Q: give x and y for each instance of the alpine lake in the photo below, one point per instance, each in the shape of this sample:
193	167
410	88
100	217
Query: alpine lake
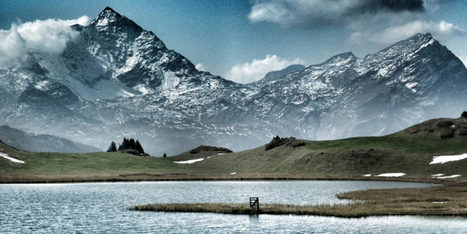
104	208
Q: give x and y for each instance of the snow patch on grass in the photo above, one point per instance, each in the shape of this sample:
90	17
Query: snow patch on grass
447	158
189	161
397	174
10	158
448	177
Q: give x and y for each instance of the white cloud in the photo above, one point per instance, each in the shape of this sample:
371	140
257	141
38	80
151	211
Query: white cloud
44	36
395	33
257	69
200	67
367	21
272	12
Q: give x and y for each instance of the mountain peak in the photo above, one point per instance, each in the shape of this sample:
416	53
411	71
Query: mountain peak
275	75
419	39
421	36
342	58
107	8
345	55
109	17
108	13
410	45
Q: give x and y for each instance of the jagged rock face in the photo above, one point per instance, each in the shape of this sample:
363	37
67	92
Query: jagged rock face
118	80
275	75
345	96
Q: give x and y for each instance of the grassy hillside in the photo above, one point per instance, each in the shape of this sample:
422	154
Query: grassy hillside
409	151
76	167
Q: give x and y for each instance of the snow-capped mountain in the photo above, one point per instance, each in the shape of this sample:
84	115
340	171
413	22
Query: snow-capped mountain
345	96
117	79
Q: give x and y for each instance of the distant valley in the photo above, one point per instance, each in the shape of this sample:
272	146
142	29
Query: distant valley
41	143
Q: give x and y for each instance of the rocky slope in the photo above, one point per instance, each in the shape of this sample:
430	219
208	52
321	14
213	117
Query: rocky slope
119	80
345	96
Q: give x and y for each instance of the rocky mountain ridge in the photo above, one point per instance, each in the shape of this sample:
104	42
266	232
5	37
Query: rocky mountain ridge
119	80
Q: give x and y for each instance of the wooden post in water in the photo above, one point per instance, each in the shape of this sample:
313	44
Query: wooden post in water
254	202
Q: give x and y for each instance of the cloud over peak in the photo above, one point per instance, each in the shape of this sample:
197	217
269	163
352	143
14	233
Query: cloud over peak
200	67
258	68
441	30
44	36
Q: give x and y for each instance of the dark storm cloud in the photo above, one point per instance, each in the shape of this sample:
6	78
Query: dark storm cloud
327	12
374	6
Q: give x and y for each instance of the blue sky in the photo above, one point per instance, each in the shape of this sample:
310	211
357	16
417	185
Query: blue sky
242	39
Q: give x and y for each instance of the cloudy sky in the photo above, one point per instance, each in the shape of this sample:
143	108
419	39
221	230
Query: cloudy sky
243	39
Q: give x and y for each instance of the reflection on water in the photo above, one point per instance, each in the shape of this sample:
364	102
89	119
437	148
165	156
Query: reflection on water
103	207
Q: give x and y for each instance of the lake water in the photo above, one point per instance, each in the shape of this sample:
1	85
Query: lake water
103	208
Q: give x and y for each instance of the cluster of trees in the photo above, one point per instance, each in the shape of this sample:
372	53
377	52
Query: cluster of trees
288	141
275	142
131	146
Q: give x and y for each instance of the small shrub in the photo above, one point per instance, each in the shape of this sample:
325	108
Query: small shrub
204	148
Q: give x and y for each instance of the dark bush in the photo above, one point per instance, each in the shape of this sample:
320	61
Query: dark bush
298	144
205	148
289	141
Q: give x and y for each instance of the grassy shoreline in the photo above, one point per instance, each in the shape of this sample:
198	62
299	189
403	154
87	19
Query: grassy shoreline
178	177
448	200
